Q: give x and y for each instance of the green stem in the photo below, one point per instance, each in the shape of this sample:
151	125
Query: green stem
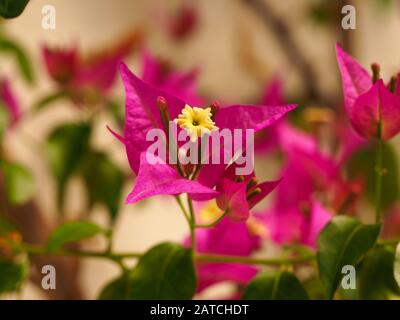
378	177
196	171
252	260
192	224
210	258
35	249
118	257
178	199
212	224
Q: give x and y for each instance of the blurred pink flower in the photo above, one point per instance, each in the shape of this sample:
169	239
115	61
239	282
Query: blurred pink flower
318	217
226	238
9	100
295	215
183	22
268	139
61	64
180	84
367	103
296	225
87	79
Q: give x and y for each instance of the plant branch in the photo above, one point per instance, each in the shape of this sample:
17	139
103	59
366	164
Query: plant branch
192	224
35	228
252	260
179	201
212	224
211	258
289	47
301	257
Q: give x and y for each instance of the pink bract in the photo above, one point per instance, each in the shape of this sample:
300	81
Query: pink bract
367	104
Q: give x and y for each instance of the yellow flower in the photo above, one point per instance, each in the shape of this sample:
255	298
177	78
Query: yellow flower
210	212
196	121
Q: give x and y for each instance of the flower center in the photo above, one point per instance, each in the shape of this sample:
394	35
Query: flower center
209	212
196	121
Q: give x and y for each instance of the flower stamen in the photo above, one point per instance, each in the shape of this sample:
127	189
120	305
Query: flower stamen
196	121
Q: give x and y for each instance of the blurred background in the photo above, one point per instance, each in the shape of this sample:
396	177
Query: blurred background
236	49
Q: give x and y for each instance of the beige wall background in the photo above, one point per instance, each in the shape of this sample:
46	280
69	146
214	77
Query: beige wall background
95	23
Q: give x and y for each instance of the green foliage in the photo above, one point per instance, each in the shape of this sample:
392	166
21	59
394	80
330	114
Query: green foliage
12	275
344	241
69	154
66	148
104	181
275	285
118	289
362	164
72	232
19	182
165	272
314	288
377	275
12	8
9	46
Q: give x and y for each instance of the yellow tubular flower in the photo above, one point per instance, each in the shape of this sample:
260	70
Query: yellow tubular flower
196	121
210	212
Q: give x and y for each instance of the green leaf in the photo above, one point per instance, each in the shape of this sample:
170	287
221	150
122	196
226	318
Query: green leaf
72	232
18	182
21	57
12	275
314	288
377	280
343	241
397	265
360	164
12	8
165	272
104	181
118	289
275	285
66	148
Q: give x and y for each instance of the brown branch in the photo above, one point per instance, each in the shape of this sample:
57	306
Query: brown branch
345	36
289	46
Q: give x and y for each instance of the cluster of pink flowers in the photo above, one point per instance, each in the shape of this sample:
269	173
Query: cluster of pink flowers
311	187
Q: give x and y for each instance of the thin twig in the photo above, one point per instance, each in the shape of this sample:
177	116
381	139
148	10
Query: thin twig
289	46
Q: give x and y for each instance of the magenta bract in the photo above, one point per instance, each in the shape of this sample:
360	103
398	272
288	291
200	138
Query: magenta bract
368	105
143	114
